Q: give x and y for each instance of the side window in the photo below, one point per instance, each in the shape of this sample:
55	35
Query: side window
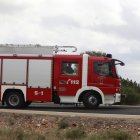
69	68
103	68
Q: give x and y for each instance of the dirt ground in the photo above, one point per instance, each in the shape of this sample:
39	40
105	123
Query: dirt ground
42	123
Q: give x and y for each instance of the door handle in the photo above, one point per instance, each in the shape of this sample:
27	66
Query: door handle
62	81
101	80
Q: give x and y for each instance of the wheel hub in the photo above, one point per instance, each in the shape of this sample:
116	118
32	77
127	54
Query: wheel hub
92	100
14	100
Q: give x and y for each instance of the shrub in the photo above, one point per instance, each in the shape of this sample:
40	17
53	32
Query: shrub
76	133
11	121
120	135
63	124
132	99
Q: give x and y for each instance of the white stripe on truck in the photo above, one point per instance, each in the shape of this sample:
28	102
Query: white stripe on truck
85	70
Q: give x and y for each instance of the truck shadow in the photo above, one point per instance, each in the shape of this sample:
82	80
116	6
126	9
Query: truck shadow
80	109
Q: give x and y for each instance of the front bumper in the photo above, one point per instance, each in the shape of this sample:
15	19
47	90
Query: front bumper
114	98
117	98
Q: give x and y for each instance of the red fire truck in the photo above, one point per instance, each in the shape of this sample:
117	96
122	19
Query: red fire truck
34	73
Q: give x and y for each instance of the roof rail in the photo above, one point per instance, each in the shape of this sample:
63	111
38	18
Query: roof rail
21	49
57	48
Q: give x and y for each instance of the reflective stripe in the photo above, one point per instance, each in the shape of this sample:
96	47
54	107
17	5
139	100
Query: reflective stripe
84	70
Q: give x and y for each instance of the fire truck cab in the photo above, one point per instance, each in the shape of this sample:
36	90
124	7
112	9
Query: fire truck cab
28	76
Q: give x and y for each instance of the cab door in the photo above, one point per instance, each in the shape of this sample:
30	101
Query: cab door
101	75
67	75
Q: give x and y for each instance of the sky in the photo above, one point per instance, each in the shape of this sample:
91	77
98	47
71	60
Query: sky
110	26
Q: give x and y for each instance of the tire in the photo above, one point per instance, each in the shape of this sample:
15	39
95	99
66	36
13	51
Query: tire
14	99
91	101
27	103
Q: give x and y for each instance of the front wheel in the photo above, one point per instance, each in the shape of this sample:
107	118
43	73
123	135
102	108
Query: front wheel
14	100
91	101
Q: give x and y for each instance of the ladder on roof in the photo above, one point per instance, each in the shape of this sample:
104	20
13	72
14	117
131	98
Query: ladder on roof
30	49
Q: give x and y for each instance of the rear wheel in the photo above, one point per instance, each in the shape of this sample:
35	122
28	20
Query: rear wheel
91	100
14	99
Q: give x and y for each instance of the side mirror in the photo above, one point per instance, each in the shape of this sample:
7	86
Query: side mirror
122	64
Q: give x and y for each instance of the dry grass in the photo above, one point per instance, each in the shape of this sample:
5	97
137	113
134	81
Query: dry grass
19	134
69	134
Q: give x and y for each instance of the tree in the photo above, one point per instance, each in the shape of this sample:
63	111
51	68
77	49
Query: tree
94	53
